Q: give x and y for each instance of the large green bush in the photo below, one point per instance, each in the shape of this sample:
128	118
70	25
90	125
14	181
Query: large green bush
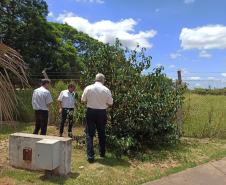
144	110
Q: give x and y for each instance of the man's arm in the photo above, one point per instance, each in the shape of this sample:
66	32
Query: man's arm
60	106
84	96
110	99
60	102
49	100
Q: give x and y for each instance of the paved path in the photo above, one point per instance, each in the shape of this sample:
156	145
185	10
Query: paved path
213	173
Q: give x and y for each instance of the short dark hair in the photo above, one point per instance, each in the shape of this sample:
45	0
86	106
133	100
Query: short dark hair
45	81
71	85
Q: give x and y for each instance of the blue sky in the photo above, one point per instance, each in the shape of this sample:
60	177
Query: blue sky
179	34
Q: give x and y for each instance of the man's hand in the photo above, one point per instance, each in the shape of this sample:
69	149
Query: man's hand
60	110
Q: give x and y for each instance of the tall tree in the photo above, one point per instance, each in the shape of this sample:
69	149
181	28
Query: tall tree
66	62
24	27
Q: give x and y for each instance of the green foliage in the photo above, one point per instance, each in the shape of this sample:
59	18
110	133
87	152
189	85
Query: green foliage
65	54
25	110
24	27
144	107
54	111
209	91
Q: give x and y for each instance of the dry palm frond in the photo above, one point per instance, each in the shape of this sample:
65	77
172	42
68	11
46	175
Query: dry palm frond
11	63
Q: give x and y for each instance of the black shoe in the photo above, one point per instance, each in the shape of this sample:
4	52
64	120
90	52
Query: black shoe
70	135
61	135
90	160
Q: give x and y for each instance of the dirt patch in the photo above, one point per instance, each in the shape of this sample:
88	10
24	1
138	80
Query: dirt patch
3	153
7	181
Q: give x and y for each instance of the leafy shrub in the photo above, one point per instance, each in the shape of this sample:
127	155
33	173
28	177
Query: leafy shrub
25	111
144	107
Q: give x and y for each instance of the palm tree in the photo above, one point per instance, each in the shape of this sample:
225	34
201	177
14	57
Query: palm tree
11	65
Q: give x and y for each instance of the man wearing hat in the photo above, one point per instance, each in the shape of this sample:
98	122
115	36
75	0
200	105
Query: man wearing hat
97	98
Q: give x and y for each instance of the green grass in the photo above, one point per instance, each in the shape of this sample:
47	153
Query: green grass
205	116
149	166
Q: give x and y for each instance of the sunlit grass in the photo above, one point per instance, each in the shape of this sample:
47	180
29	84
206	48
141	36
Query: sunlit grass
205	116
152	165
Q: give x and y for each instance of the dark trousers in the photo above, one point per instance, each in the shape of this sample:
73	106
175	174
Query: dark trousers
41	121
67	113
96	119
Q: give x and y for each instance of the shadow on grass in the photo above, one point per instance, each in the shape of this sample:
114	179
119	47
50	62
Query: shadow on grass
58	179
112	161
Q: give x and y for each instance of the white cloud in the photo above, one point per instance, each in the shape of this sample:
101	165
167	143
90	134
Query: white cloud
204	54
197	85
61	17
211	78
107	31
159	65
204	38
194	78
90	1
189	1
172	66
50	14
223	74
184	71
175	55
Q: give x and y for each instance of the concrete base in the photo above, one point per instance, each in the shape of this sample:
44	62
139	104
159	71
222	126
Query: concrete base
20	141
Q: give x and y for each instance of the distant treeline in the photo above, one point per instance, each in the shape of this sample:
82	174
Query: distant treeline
209	91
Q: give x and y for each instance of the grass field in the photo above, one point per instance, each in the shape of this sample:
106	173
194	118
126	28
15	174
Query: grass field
205	116
152	165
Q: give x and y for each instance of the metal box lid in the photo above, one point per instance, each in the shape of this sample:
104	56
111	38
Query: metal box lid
48	141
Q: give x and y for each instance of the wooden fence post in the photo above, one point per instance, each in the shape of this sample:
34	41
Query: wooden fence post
179	111
179	77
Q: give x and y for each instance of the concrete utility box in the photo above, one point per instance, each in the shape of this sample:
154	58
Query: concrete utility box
37	152
47	154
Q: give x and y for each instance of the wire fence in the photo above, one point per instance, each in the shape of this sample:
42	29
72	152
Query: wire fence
193	79
196	79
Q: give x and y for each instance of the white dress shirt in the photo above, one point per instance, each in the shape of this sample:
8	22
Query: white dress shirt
67	99
97	96
41	99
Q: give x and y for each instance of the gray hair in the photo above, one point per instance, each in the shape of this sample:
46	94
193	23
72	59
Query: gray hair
100	78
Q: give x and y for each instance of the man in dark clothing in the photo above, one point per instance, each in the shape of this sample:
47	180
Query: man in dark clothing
97	98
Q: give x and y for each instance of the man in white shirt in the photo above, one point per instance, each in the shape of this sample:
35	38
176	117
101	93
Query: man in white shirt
41	100
67	104
97	98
